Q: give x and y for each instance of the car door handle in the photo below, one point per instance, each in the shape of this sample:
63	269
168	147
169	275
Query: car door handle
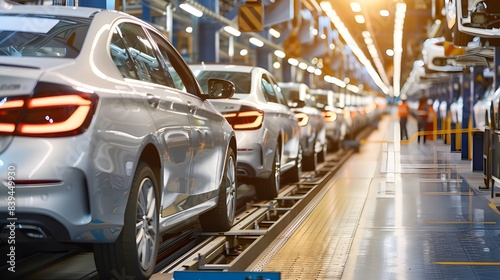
153	100
191	108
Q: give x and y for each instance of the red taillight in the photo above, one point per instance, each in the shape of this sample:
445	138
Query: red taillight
245	120
329	116
303	118
52	111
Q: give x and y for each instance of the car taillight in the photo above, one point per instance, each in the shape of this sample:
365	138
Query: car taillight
247	119
52	111
329	116
303	118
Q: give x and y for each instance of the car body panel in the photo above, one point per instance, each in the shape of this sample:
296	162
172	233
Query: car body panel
256	147
90	174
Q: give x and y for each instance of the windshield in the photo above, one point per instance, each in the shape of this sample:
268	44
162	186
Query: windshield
41	35
242	81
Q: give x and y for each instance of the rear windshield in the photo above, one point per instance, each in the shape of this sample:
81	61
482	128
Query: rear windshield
41	35
242	81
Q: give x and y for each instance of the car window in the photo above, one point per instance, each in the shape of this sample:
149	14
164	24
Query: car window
163	47
268	90
121	57
57	37
140	50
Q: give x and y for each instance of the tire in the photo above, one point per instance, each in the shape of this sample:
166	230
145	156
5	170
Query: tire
269	188
311	162
221	218
126	258
323	154
296	172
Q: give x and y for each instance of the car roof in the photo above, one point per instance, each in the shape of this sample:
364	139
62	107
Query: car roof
83	12
225	67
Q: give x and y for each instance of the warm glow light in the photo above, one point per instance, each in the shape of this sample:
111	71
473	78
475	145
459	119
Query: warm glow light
243	52
311	69
7	127
355	7
276	65
303	65
389	52
189	29
384	13
73	122
359	19
190	9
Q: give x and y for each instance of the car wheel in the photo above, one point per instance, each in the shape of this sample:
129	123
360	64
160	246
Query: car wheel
134	252
296	172
311	161
269	188
323	153
221	218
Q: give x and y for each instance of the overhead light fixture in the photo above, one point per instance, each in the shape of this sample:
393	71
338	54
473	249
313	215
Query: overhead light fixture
311	69
359	19
303	65
256	42
243	52
189	29
279	54
355	7
398	46
389	52
190	9
231	30
276	65
275	33
384	13
293	61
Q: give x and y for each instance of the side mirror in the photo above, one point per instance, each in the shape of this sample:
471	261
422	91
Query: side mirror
220	89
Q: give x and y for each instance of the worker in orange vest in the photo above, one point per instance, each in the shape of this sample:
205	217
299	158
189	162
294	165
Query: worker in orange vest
403	113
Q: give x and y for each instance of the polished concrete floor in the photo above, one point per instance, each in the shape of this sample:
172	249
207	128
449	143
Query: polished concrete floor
396	211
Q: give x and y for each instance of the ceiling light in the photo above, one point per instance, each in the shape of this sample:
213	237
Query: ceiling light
279	54
311	69
384	13
190	9
355	7
293	61
275	33
276	65
303	65
359	18
389	52
231	30
256	42
189	29
243	52
318	72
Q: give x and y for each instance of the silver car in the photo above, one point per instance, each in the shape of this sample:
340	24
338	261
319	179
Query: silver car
334	118
106	137
266	128
311	122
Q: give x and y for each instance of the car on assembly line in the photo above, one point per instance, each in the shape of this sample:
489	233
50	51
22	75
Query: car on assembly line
311	122
267	131
334	117
106	137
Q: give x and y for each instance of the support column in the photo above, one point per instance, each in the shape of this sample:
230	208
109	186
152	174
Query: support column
208	35
454	94
467	96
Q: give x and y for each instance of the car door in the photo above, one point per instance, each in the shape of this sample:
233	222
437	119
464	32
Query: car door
205	126
286	119
169	111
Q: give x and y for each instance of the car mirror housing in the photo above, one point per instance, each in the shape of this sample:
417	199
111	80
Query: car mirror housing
220	89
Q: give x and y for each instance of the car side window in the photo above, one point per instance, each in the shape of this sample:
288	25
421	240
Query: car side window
139	49
279	94
268	90
121	56
164	48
